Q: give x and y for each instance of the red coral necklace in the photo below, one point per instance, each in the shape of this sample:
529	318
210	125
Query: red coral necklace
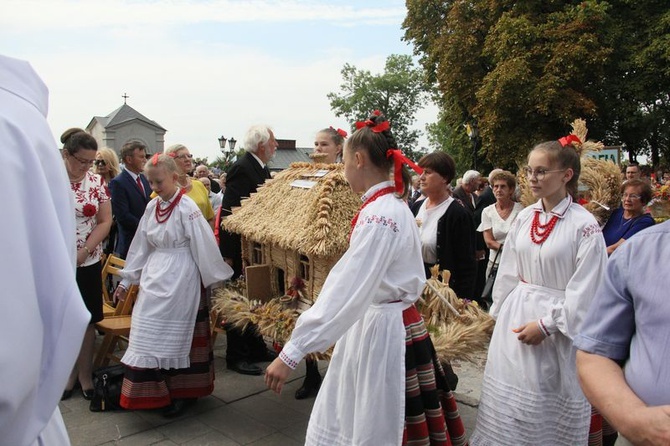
162	215
379	193
539	232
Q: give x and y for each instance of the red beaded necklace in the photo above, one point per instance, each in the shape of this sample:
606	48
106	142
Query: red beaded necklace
539	233
379	193
162	215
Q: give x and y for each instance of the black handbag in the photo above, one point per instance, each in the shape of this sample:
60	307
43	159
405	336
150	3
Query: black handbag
107	382
487	293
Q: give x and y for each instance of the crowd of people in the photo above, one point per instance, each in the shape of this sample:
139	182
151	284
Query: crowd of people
580	308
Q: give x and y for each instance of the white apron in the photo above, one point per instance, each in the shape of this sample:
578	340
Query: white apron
362	399
526	398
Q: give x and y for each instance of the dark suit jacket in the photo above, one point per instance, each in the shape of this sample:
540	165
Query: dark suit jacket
128	204
242	180
485	199
456	248
463	196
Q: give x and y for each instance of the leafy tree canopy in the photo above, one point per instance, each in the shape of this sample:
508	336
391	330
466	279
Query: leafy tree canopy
399	93
525	70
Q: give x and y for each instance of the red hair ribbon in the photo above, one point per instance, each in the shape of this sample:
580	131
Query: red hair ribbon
154	159
569	140
340	132
398	160
377	113
375	128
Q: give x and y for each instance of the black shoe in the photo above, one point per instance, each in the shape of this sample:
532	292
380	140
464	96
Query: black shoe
307	390
177	407
267	356
88	394
245	368
67	394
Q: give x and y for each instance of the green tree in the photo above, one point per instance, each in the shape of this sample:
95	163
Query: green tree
399	93
525	70
225	162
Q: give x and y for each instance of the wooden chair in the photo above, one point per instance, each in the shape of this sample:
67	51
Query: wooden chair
215	325
113	265
116	328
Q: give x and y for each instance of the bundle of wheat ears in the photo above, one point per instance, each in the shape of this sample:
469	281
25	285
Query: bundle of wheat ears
459	327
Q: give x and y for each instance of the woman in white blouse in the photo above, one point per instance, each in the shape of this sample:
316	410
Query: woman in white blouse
498	217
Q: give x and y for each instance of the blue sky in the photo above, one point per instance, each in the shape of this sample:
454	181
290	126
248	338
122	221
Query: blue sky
202	68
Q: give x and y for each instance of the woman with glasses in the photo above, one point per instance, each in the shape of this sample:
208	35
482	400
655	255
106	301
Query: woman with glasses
93	212
553	261
194	189
106	164
630	218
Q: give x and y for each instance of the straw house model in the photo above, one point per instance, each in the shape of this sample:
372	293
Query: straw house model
296	225
293	230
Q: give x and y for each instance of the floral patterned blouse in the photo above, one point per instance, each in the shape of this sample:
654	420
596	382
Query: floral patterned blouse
89	194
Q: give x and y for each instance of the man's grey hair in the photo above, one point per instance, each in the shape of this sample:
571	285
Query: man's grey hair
256	134
471	176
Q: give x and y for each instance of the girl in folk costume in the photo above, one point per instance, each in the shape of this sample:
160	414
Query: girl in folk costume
553	261
384	385
173	254
328	147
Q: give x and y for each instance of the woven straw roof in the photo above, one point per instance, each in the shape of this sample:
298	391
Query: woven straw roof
313	221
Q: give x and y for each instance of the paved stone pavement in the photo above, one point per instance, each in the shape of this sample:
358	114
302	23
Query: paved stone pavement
241	411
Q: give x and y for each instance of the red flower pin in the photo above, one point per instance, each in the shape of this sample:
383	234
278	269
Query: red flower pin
89	210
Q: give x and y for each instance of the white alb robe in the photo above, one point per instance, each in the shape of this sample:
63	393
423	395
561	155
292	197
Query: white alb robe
170	261
530	394
362	399
43	319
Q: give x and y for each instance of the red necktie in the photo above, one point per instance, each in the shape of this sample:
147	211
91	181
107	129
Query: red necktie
139	184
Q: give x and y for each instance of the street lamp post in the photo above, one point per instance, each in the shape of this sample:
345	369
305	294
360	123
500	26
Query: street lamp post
473	133
228	151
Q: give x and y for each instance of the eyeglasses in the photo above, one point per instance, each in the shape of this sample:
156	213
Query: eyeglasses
82	161
632	196
181	157
100	163
539	173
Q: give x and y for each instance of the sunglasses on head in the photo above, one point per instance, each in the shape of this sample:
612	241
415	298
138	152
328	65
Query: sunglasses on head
100	163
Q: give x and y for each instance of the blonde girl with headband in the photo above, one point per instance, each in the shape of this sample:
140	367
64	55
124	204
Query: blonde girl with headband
373	393
553	261
172	255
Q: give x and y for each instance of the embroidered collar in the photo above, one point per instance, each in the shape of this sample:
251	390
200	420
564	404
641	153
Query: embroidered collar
559	210
160	200
370	192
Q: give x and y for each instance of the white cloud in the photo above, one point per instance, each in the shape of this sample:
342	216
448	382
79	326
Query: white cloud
196	89
19	15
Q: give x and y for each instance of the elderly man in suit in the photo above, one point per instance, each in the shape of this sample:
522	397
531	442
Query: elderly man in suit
243	178
130	194
466	191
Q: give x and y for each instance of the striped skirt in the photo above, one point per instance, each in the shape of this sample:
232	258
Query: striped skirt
431	414
155	388
601	433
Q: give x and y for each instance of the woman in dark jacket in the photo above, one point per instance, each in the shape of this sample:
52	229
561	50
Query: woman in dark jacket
446	227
